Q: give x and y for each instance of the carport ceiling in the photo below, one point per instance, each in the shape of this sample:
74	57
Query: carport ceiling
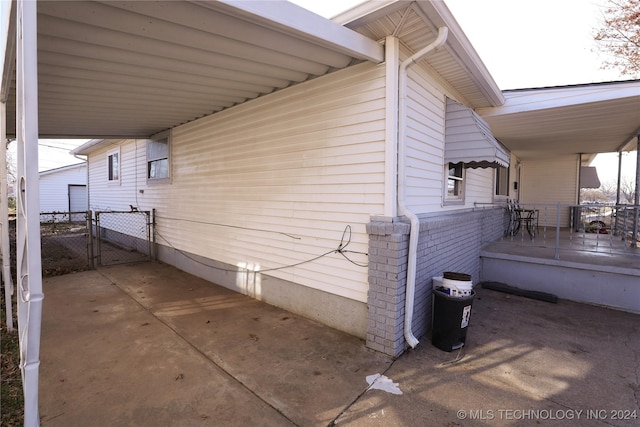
134	68
551	122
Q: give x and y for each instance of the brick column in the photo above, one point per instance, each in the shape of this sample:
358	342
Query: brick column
448	242
388	250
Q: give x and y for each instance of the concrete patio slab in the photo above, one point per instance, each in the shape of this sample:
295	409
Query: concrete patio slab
149	345
526	362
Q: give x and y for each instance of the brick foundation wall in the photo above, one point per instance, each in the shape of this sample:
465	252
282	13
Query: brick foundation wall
448	242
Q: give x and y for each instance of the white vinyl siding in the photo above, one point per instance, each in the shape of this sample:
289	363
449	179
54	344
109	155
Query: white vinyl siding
275	181
480	186
550	181
54	187
105	195
425	144
427	173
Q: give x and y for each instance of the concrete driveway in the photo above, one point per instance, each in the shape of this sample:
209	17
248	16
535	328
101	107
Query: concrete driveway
149	345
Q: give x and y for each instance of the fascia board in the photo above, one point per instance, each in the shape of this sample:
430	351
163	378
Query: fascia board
90	146
292	19
545	99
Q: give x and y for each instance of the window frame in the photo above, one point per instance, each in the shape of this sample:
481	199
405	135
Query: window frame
149	159
458	199
496	183
110	170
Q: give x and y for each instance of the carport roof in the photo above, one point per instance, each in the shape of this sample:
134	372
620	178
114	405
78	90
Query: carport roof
134	68
128	69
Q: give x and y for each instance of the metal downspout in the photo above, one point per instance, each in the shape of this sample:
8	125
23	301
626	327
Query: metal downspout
415	222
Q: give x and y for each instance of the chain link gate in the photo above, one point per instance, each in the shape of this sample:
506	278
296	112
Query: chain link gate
123	237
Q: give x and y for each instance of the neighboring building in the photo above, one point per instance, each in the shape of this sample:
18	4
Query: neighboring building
64	189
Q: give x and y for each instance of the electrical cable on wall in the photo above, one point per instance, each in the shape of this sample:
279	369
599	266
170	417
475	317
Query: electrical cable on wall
341	249
229	226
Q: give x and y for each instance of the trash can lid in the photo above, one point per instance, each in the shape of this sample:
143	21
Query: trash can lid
456	276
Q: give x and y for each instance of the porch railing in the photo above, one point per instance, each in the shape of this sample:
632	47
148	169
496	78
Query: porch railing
600	228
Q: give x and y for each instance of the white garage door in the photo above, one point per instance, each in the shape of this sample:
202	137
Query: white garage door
77	199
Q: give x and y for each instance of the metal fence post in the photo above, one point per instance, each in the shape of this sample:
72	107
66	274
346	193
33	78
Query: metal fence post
149	247
636	219
557	254
154	243
98	238
92	262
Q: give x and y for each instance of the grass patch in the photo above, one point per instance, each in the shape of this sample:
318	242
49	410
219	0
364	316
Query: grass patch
11	397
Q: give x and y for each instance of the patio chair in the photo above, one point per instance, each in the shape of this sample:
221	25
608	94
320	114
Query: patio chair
514	225
519	216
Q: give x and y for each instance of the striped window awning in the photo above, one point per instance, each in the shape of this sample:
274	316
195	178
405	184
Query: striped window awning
469	140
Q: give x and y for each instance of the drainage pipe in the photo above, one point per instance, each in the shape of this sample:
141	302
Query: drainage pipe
415	222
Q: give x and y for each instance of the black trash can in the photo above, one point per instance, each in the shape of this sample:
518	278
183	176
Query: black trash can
451	317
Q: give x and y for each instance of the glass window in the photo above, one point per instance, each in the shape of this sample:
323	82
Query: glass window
158	159
455	182
502	181
114	166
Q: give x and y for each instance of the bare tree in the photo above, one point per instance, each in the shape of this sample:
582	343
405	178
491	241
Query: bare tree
627	191
619	35
610	190
11	166
594	195
11	178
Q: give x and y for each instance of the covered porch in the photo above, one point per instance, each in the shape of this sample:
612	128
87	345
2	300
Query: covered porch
576	251
589	258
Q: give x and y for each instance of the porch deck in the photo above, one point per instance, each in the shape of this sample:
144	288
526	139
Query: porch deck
601	269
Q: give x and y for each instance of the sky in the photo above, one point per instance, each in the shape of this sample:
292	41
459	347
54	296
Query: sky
523	44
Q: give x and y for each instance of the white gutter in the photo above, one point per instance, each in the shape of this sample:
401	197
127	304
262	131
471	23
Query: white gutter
415	222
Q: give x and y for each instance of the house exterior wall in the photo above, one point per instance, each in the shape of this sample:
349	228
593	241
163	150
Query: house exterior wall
448	242
451	235
426	106
270	184
267	185
54	187
548	182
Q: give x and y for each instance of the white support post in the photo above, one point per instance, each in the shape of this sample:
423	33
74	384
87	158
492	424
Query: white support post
4	220
29	266
636	196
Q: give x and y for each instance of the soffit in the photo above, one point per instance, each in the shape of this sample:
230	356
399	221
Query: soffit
416	25
134	68
550	122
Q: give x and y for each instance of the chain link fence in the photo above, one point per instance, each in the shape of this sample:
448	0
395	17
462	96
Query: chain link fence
65	242
69	244
122	236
